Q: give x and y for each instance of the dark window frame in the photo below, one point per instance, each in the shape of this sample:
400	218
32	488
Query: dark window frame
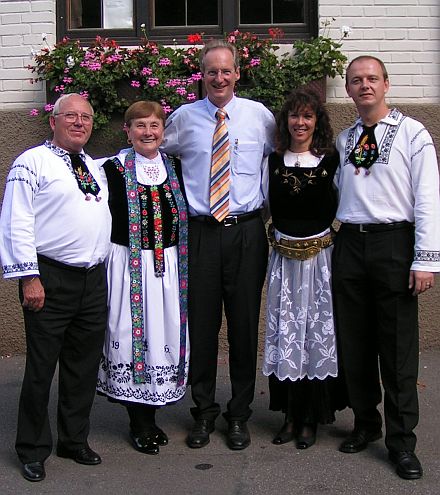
228	16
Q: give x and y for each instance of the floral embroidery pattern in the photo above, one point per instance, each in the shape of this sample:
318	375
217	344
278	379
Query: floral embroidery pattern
160	376
20	267
135	268
384	147
300	337
85	180
433	256
159	267
298	179
137	212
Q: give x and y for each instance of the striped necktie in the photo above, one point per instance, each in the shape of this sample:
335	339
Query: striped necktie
219	185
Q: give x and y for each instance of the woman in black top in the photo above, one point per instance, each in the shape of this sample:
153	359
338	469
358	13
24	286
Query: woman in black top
300	350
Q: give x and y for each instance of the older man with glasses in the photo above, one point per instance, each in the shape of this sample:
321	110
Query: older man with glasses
54	236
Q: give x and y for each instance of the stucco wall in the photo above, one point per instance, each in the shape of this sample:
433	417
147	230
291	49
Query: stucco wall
19	131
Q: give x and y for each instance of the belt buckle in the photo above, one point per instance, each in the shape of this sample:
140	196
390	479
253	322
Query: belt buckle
361	228
230	220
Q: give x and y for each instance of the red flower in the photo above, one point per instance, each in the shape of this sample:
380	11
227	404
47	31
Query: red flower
275	33
194	38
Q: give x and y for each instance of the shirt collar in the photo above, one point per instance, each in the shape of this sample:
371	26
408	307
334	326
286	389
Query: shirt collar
60	151
393	118
229	107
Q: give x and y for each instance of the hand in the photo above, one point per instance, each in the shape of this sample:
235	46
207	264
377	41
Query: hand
33	294
420	281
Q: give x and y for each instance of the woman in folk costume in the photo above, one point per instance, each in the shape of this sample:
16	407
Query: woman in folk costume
300	349
145	359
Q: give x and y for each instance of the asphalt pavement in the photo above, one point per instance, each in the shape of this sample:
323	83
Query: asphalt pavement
262	468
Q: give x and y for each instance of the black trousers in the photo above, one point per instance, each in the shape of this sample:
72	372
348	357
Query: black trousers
69	330
227	265
377	324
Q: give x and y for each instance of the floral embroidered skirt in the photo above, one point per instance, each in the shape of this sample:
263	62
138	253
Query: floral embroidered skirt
300	333
161	327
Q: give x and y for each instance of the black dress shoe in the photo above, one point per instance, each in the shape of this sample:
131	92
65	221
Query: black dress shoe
82	456
238	437
358	440
146	443
34	471
286	434
306	437
199	435
408	466
160	436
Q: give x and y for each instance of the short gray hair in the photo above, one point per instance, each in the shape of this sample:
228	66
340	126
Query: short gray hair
212	45
56	107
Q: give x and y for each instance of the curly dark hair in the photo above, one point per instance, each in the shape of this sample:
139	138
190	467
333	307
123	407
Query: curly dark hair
322	142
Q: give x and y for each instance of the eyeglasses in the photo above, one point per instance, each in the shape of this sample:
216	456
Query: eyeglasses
71	117
223	72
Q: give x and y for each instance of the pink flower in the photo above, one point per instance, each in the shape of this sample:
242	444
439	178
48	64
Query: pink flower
166	108
254	62
59	89
152	81
67	80
34	112
84	94
135	84
164	61
191	97
146	71
181	91
197	76
48	107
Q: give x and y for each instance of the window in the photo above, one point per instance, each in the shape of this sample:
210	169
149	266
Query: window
172	20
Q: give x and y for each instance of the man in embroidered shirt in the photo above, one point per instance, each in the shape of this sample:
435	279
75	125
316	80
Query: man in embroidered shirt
54	236
385	255
228	257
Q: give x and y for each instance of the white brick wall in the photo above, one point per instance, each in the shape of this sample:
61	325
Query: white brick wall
21	26
404	33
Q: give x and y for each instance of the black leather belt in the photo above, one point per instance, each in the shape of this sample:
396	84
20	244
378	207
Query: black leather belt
229	220
80	269
376	227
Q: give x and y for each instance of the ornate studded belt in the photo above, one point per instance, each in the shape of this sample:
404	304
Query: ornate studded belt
299	249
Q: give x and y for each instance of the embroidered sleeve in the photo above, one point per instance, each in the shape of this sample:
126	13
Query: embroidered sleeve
17	242
425	184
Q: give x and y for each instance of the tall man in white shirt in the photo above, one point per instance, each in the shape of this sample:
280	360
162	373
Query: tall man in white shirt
385	255
227	239
54	236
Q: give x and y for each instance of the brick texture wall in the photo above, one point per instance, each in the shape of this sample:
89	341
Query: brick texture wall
404	33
